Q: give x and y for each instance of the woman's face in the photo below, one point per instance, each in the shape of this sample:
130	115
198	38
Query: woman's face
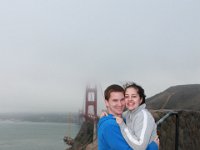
132	98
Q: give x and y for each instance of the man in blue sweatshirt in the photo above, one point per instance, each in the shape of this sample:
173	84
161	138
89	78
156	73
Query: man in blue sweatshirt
109	134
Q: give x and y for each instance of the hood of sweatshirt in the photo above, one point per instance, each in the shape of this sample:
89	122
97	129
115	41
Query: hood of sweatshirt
109	117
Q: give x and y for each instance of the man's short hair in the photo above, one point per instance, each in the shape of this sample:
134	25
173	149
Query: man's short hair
112	88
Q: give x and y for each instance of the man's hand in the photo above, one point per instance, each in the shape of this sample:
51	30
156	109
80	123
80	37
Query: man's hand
157	141
119	120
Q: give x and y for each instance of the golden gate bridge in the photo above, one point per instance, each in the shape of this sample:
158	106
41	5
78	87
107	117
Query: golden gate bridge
90	117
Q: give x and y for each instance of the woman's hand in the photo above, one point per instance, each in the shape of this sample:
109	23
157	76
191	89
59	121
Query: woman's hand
119	120
103	113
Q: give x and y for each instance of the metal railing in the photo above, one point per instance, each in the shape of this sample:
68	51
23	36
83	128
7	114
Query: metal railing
172	113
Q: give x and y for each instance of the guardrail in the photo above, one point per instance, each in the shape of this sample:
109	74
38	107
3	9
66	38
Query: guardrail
171	113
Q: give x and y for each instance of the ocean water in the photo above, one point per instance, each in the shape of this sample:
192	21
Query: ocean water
35	136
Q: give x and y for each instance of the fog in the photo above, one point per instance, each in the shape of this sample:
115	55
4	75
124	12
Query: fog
51	50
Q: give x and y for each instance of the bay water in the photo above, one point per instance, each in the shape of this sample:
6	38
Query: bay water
18	135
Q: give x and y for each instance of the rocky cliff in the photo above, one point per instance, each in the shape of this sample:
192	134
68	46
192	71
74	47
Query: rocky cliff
84	136
188	129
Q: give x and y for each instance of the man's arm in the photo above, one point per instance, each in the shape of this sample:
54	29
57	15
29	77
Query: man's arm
114	138
112	135
152	146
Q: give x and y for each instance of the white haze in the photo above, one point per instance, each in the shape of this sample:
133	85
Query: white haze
51	49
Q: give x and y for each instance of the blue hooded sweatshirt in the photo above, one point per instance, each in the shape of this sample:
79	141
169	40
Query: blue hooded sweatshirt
110	136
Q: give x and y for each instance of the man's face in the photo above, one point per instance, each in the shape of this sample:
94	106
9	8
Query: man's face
116	103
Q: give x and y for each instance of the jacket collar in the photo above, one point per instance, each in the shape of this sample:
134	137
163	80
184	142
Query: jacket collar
138	108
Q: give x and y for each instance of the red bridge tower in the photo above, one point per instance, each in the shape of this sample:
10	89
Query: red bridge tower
91	103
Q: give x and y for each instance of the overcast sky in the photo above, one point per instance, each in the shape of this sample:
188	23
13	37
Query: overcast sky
51	49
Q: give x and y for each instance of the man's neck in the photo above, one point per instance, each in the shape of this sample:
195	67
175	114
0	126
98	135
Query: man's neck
118	115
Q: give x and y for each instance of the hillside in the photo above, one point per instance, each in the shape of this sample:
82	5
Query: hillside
41	117
180	97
